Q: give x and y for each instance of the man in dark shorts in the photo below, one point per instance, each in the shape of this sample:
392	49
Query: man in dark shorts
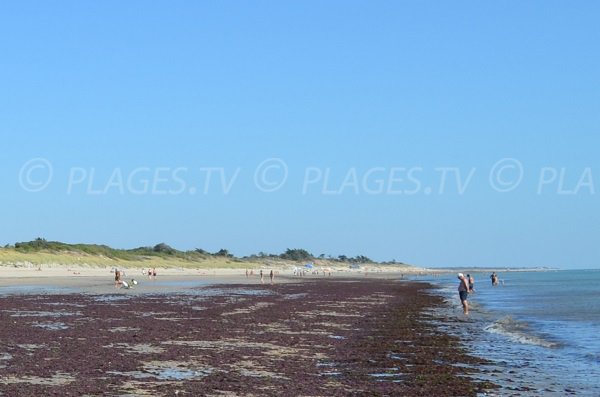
463	292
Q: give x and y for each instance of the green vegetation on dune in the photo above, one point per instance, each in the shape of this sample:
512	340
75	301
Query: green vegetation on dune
161	250
10	256
41	251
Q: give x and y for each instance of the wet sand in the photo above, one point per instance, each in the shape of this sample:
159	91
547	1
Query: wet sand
318	337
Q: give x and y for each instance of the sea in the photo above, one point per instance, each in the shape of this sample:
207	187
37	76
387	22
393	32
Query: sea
540	330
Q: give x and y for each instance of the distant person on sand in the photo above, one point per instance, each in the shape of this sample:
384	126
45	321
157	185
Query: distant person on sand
463	292
117	278
271	275
471	281
262	280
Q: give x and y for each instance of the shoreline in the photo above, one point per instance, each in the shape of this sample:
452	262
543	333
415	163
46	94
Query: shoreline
528	356
96	279
11	270
236	339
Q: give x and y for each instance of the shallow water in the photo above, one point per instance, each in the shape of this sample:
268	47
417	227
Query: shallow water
35	289
180	283
110	298
540	330
27	313
52	326
165	374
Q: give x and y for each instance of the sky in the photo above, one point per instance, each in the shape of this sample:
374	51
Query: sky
431	133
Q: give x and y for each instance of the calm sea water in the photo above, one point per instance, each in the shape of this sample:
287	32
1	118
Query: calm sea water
541	330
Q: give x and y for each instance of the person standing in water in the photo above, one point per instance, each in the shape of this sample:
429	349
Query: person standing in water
471	281
463	292
494	278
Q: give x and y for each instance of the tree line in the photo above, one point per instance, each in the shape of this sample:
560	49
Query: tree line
165	250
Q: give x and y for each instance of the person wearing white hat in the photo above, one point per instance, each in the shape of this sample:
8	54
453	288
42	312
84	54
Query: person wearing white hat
463	292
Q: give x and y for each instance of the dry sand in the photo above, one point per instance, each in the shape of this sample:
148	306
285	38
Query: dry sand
100	280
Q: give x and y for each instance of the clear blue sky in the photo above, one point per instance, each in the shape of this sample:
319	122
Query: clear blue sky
340	87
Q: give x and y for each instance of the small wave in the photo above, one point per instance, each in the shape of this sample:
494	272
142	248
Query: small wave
593	357
520	332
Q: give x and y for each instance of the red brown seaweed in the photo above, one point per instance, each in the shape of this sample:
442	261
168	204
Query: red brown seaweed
315	338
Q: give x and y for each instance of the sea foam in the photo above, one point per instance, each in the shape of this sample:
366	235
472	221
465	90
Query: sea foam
520	332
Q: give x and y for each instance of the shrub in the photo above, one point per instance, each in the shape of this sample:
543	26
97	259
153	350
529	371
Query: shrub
296	255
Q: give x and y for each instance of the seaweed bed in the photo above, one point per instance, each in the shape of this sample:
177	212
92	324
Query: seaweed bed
315	338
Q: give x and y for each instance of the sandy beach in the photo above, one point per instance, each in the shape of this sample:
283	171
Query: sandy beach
226	335
100	279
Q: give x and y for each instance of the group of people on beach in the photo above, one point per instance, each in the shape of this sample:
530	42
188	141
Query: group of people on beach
302	272
271	276
151	273
262	276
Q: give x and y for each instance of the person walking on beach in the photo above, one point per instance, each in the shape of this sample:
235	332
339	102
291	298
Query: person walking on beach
463	292
471	281
261	277
271	275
